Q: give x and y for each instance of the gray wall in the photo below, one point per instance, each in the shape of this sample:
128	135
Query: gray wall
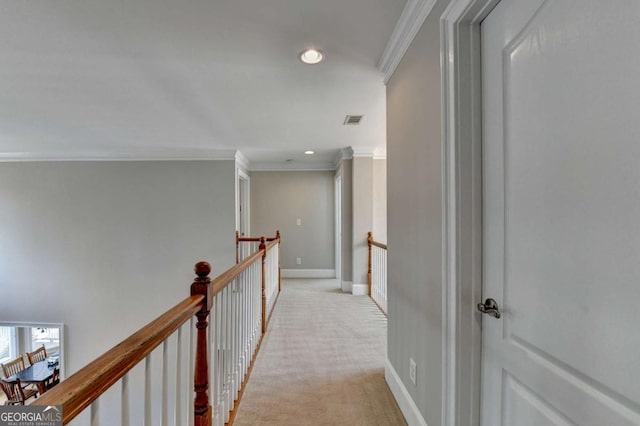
362	216
345	170
105	247
415	218
279	198
380	200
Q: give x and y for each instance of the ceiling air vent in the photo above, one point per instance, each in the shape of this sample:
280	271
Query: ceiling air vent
352	120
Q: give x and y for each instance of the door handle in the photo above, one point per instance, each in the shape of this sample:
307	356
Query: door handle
490	307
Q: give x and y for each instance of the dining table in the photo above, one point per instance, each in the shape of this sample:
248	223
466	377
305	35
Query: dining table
39	374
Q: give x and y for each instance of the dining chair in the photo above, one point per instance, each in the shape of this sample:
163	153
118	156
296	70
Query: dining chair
38	355
13	367
16	394
55	379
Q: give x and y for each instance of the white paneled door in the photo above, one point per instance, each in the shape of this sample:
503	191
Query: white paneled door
561	214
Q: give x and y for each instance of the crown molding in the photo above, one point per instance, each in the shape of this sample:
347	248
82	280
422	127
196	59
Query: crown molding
380	153
344	154
363	152
184	155
268	166
128	155
413	16
242	160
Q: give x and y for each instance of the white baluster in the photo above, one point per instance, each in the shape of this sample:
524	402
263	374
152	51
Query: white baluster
124	401
245	323
220	350
227	360
147	390
191	354
165	384
177	415
95	413
236	340
217	361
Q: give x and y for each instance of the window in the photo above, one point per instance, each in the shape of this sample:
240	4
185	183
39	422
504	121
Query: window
8	344
49	337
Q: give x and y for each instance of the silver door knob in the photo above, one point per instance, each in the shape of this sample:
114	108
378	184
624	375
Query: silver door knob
490	307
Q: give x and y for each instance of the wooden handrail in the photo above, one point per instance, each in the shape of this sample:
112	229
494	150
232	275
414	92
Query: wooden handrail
248	239
257	239
85	386
240	239
375	243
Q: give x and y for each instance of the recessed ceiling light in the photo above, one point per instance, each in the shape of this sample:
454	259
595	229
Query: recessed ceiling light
309	152
312	56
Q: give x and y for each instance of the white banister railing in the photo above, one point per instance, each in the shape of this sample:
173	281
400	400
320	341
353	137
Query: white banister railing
236	328
378	272
144	380
271	276
241	313
153	369
246	246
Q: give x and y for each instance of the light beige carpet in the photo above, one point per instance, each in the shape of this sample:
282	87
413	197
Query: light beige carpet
321	362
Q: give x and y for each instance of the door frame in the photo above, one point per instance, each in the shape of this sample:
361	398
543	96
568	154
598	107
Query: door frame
461	106
243	198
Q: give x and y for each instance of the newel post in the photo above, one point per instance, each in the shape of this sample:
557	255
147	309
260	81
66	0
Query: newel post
201	285
263	247
369	240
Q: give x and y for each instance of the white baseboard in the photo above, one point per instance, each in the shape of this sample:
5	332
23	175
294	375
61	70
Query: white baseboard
308	273
401	394
360	289
346	286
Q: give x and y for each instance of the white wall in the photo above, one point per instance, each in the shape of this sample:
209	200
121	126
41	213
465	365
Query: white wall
415	218
105	247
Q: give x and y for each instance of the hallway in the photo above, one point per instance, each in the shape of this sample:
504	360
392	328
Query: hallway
321	362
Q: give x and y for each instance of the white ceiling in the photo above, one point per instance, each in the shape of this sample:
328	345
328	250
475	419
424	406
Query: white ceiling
127	78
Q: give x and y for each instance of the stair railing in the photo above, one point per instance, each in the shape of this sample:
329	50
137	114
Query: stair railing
229	315
377	272
245	246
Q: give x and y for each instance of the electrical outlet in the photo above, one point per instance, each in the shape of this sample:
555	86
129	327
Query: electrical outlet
298	221
298	261
412	371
